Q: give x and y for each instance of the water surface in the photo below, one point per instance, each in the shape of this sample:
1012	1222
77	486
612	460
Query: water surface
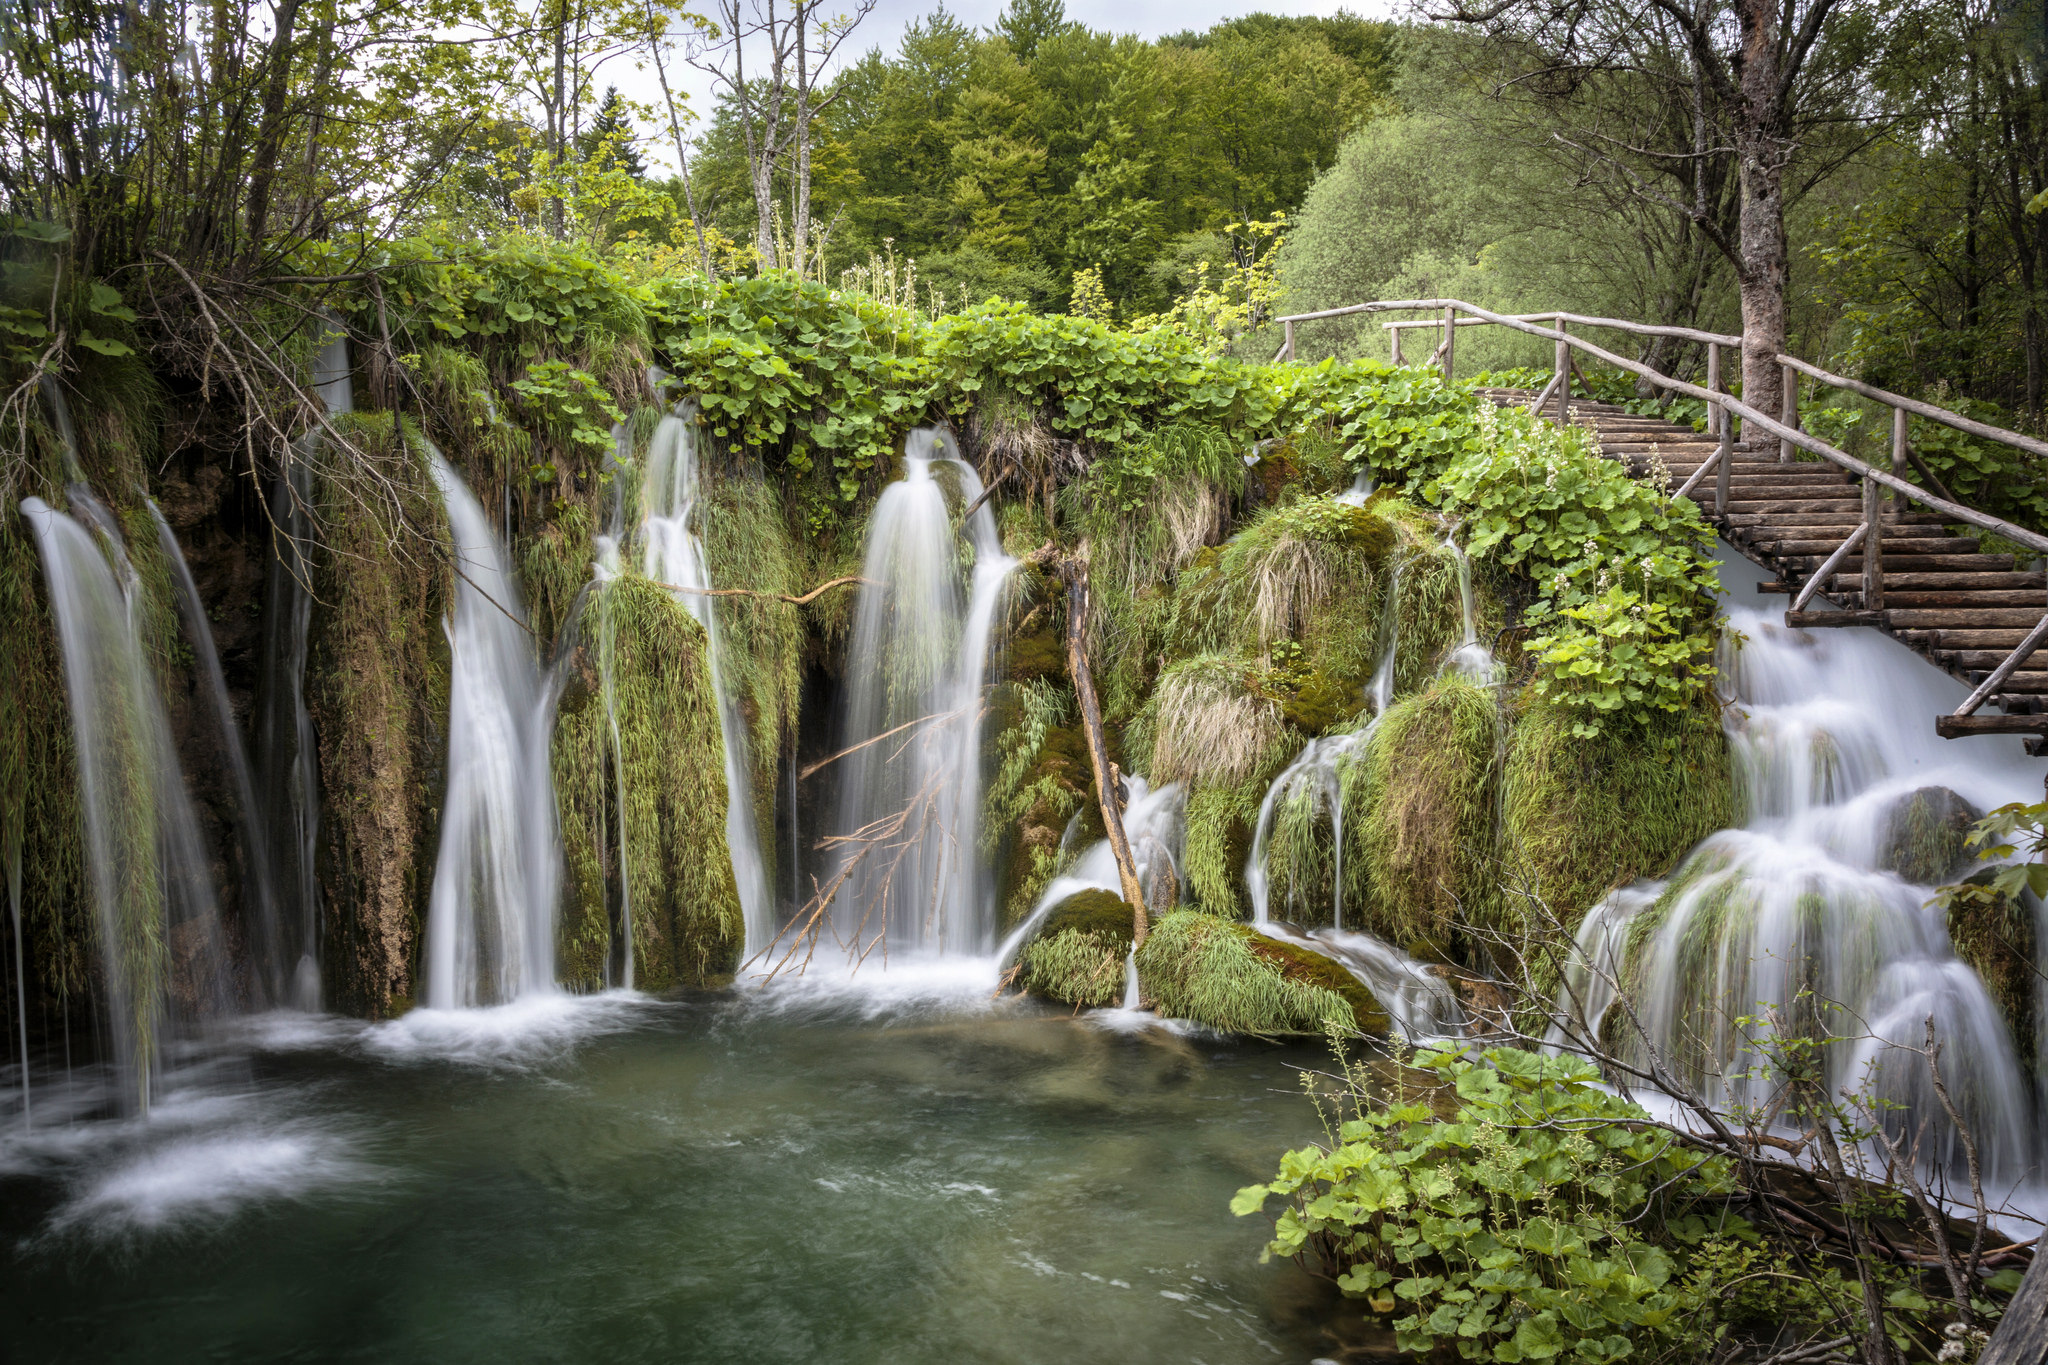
813	1173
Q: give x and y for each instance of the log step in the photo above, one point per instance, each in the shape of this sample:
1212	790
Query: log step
1964	618
1813	620
1960	563
1896	598
1957	727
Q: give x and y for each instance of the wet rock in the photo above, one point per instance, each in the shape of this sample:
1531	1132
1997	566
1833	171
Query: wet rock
1923	836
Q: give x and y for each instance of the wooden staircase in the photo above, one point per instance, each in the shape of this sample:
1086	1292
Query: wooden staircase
1963	609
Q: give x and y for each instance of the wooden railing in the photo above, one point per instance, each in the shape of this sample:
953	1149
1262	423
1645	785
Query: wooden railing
1723	410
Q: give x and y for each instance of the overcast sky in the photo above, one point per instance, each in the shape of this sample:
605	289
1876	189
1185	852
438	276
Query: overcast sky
884	29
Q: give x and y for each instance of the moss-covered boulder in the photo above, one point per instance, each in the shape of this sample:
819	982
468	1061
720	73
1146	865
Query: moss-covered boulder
377	692
1077	956
1229	976
1923	833
1581	816
1426	832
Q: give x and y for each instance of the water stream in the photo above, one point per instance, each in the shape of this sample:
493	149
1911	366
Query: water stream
261	913
498	875
910	783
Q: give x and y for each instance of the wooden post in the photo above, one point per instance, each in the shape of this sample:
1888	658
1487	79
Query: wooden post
1074	568
1715	417
1724	460
1288	347
1450	340
1395	333
2022	1335
1791	414
1873	547
1564	374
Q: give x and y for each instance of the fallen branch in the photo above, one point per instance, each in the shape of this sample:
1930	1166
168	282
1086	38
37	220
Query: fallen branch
802	600
1074	568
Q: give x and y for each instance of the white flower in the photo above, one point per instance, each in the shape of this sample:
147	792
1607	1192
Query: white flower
1952	1350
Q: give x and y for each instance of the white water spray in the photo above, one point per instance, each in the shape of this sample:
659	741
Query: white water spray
498	876
910	785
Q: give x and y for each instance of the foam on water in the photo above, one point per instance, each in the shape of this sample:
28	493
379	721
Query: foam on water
530	1031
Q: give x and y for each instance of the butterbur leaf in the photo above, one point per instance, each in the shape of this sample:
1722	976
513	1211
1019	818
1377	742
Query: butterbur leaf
104	345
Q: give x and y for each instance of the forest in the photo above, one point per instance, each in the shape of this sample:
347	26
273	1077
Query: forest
653	724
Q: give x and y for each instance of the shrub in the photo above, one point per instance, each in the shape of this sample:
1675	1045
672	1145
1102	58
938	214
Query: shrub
1543	1218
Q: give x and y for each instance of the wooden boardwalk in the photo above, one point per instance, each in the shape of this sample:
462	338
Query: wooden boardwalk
1942	595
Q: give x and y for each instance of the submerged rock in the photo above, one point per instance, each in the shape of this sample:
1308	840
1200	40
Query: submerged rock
1923	836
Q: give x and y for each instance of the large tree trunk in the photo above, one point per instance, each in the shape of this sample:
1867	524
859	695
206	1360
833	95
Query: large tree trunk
1761	151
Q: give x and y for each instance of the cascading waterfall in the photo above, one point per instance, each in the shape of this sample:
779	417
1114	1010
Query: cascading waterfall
910	784
1794	915
1419	1003
163	962
498	875
672	552
261	914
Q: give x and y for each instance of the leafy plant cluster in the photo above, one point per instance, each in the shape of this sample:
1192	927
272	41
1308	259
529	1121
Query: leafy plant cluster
1623	614
1543	1218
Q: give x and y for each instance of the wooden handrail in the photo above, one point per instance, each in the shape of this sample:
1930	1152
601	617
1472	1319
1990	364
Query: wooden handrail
1726	402
1961	423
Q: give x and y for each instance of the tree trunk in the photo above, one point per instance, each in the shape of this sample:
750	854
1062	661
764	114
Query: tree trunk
800	219
1074	569
1761	150
558	116
270	132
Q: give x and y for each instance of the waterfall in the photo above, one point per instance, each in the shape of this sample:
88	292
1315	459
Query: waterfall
1471	659
260	911
910	783
672	552
1794	913
1154	826
498	875
162	959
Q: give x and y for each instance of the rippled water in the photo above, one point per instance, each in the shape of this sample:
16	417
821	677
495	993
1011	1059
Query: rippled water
882	1170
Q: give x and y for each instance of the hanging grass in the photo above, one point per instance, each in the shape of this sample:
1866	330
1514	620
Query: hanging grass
650	793
1077	956
1582	816
1230	977
1208	728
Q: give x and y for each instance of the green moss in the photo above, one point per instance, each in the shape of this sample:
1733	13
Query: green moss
1230	977
1923	836
641	781
1582	816
1999	945
1075	968
1425	791
1041	779
377	691
1077	955
1220	824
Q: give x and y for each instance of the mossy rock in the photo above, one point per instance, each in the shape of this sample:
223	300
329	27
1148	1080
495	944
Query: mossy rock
1923	836
1077	955
1229	976
1585	815
1998	943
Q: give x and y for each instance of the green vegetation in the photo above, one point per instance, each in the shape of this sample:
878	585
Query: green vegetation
640	781
1231	977
1513	1210
1077	955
